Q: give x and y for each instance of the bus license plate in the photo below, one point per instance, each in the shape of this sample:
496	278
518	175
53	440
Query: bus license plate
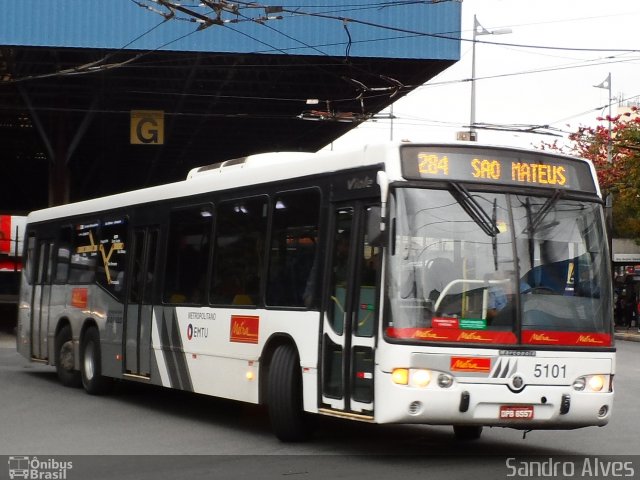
516	412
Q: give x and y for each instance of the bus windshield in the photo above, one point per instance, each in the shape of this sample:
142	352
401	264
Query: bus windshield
498	268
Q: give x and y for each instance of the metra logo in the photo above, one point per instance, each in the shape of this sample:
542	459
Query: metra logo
244	328
541	337
197	332
469	364
79	297
473	336
588	339
427	334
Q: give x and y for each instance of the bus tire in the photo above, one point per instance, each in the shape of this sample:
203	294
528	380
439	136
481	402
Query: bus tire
91	364
65	361
284	396
467	432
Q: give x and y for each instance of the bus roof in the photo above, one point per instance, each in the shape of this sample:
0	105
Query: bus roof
254	170
259	169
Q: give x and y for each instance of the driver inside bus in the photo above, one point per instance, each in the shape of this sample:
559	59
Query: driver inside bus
500	295
496	294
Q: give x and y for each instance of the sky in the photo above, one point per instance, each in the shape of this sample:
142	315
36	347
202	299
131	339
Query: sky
558	90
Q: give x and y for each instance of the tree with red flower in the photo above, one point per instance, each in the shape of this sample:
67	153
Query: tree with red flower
621	175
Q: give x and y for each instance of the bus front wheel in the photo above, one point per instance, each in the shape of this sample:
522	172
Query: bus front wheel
91	364
65	359
284	396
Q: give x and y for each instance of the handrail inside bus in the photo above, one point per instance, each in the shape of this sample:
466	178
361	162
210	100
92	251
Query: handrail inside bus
451	284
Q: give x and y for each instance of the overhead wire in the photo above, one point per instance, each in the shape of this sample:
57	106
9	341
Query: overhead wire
88	67
543	129
524	72
300	12
432	84
167	114
346	20
454	38
393	89
99	65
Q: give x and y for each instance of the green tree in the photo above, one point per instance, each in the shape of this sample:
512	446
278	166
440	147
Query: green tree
621	176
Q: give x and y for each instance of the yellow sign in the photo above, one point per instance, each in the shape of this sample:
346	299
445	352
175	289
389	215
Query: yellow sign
147	127
433	164
496	166
106	257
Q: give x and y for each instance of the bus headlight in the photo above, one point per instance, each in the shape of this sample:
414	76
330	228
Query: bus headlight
413	377
596	383
419	378
592	383
400	376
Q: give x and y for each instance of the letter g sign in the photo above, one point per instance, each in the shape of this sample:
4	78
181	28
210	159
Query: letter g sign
147	127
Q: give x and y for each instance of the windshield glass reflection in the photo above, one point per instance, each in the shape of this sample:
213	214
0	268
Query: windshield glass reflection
483	266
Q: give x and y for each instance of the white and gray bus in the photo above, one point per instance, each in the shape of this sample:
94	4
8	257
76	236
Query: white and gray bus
451	284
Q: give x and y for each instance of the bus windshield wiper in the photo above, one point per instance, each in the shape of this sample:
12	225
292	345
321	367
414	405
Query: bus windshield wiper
534	221
474	210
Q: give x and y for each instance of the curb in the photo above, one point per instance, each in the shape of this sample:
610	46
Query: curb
628	336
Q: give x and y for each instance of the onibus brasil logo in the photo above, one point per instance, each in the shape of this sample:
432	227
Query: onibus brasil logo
38	469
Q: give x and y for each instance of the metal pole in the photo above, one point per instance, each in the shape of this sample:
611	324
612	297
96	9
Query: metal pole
609	157
472	117
478	30
609	199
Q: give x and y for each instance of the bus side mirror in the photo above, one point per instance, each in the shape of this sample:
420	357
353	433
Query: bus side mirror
377	214
375	234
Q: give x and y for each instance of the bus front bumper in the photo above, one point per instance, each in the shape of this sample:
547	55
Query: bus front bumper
534	407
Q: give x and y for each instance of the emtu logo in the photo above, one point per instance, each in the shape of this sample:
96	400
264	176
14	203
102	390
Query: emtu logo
197	332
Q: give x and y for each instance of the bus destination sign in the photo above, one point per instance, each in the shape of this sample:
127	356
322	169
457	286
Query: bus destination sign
490	165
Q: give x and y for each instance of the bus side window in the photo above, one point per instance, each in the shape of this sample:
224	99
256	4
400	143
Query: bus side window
239	251
63	256
31	251
188	254
370	265
113	246
84	254
293	258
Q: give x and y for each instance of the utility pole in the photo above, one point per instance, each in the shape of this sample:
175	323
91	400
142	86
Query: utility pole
478	29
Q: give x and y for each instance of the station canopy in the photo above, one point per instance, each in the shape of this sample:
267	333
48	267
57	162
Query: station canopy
100	97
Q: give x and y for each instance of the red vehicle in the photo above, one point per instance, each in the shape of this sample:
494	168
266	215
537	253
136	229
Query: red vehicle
11	237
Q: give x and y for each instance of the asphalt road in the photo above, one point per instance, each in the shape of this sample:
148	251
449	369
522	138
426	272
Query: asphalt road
147	432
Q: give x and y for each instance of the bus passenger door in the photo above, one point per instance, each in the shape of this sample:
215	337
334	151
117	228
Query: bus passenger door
349	323
41	299
139	309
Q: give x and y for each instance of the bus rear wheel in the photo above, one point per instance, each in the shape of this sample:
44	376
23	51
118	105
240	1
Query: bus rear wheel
284	396
91	364
65	360
467	432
